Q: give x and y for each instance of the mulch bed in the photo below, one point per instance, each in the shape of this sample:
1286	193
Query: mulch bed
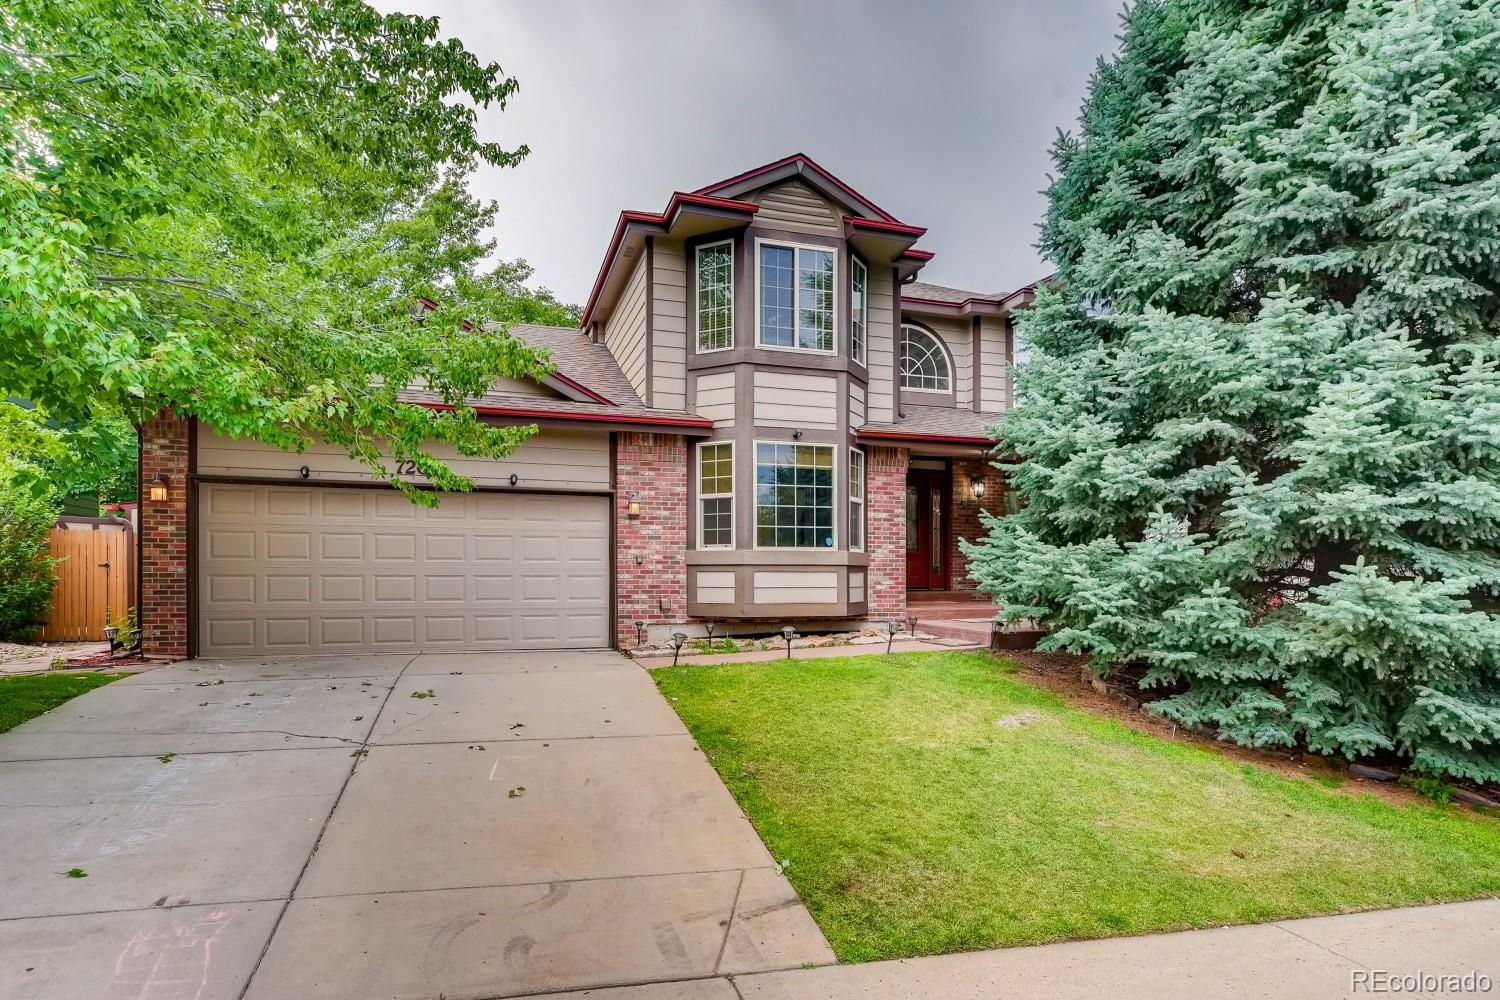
105	660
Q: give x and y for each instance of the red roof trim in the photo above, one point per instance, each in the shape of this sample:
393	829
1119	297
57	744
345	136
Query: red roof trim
808	161
674	204
899	228
916	254
608	418
590	393
915	436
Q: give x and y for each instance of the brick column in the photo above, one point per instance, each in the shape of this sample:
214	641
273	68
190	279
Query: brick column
885	527
164	539
651	550
966	513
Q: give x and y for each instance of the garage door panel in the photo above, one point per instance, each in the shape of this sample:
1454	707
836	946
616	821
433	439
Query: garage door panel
309	569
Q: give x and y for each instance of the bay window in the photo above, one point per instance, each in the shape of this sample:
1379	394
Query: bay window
716	495
859	281
794	496
856	500
795	302
715	282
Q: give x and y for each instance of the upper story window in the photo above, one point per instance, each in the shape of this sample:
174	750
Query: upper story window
715	274
793	496
859	282
795	306
924	362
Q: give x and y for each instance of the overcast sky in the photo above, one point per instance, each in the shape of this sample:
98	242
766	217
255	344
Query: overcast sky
941	112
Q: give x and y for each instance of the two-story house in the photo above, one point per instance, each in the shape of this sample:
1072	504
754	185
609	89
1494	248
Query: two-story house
766	419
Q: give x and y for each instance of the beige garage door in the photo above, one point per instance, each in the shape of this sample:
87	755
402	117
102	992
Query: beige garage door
309	570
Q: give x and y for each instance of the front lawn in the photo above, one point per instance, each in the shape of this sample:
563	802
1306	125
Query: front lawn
934	802
29	695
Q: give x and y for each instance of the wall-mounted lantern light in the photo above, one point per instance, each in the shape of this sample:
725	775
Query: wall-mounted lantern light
976	486
158	488
633	506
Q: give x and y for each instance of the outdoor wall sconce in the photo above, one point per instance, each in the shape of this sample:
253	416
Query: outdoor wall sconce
158	489
788	633
891	628
640	633
633	506
976	486
678	638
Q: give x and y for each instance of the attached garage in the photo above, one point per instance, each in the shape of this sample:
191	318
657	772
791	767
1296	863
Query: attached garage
304	569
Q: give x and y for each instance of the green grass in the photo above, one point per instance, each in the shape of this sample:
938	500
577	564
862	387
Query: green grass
29	695
912	824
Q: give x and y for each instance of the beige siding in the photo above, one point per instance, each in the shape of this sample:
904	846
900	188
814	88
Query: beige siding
856	405
625	332
715	398
786	400
956	335
856	587
715	588
796	588
552	459
522	387
882	400
994	373
669	327
794	206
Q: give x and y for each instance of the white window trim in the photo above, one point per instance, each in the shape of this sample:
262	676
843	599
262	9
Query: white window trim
952	389
697	309
698	471
864	487
755	507
797	295
864	343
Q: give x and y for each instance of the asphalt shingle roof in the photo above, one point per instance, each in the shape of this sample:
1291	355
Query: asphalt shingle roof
942	421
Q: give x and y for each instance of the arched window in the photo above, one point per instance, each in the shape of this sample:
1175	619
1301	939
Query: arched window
924	363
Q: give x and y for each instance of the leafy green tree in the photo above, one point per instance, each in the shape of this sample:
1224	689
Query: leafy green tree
230	208
27	569
1259	440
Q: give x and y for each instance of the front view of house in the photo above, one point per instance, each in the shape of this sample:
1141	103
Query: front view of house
765	419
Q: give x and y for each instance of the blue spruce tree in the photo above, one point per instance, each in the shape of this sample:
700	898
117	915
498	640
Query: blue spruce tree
1258	444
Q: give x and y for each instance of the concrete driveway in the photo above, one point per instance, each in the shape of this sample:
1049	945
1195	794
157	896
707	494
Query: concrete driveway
444	825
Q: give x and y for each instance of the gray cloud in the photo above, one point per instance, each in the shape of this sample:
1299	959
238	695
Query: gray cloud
942	113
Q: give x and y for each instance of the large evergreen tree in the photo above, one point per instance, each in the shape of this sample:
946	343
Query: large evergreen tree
1259	442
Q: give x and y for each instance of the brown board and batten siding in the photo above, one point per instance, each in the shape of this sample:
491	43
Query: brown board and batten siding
715	397
552	459
785	399
880	351
668	326
794	207
625	330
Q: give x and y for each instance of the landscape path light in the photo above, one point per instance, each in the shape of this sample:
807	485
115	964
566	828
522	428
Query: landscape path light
788	633
678	639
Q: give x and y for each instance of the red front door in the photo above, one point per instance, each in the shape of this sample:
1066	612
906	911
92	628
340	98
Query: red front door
926	529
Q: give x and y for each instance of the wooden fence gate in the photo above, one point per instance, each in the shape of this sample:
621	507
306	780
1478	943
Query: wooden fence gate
81	597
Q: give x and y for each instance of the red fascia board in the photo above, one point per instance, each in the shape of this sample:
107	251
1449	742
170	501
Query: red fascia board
915	436
590	393
898	228
749	174
916	254
678	199
588	418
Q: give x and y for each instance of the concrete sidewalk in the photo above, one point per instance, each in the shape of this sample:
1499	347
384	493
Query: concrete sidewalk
463	826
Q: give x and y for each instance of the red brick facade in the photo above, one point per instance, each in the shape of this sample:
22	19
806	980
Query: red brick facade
966	513
164	538
650	550
885	527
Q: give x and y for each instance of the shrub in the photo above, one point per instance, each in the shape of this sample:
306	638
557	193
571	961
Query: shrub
27	570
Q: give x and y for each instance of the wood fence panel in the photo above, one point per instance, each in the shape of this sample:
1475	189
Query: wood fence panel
79	600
